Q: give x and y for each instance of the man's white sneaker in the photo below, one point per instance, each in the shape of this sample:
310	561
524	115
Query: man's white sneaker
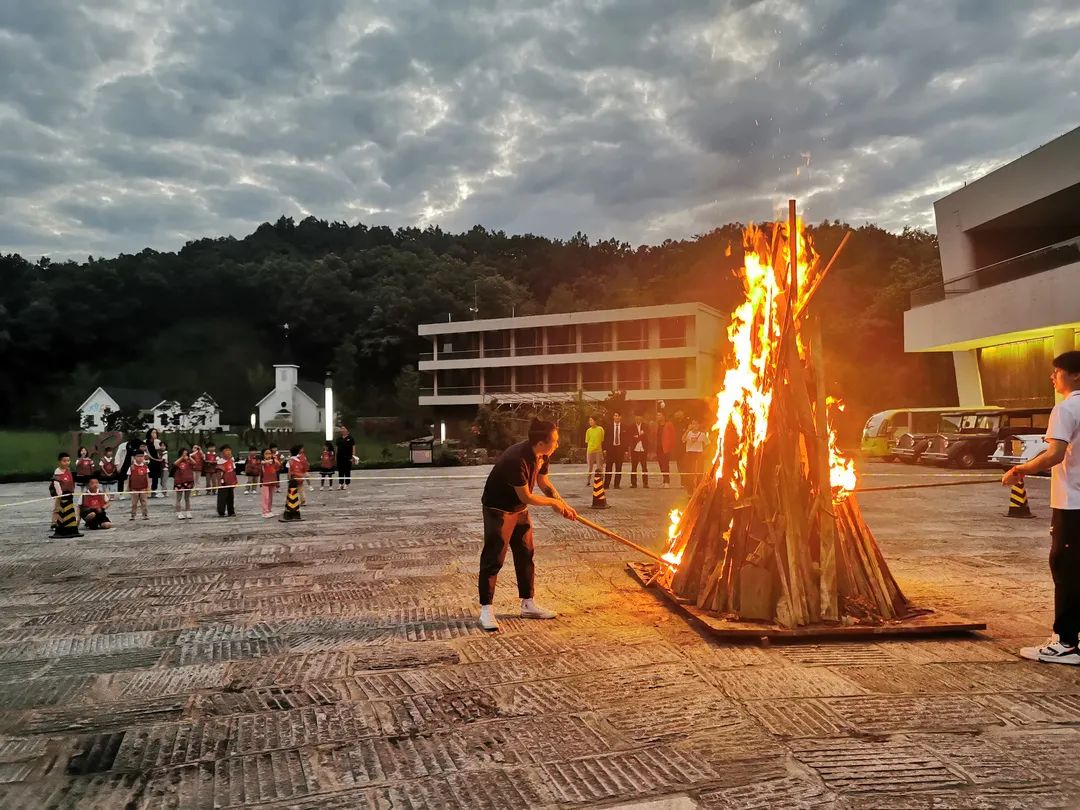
531	610
1058	653
487	619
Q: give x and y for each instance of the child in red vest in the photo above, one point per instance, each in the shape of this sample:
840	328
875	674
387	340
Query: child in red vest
327	465
210	469
304	469
107	471
253	468
139	484
92	506
226	483
198	459
183	472
84	468
63	483
268	482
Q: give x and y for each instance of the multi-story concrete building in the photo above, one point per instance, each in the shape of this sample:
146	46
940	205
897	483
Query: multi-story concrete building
665	352
1010	259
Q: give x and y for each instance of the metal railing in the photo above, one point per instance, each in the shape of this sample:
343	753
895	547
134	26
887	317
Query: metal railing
1022	266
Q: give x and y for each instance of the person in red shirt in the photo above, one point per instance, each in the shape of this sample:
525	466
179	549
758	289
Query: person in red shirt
253	469
226	483
183	472
84	468
198	459
63	483
139	484
107	471
92	506
269	482
210	469
327	464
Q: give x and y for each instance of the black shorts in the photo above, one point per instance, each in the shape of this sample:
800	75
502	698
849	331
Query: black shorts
83	480
326	473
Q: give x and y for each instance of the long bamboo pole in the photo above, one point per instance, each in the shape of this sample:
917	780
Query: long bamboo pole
608	533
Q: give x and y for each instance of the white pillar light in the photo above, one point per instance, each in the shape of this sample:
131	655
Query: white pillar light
328	408
442	432
253	420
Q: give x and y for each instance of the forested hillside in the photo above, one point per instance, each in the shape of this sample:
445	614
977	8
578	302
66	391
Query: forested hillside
207	317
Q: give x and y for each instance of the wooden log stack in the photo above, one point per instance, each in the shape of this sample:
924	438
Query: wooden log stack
786	547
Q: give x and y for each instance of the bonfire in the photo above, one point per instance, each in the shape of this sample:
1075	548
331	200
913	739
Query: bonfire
773	531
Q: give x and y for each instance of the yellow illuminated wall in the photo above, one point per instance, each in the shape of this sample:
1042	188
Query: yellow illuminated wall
1017	375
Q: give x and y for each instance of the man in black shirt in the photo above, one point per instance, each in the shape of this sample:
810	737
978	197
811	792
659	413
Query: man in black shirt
345	454
507	496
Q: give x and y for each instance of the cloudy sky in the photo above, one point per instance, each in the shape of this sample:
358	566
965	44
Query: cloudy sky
133	123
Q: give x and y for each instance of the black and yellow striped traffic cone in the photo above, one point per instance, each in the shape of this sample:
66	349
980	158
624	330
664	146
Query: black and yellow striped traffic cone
599	501
67	519
1018	502
292	503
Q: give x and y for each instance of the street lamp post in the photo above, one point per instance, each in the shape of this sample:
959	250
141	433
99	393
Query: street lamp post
328	407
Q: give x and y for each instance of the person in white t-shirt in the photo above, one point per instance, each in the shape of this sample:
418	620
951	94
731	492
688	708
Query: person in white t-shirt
1062	458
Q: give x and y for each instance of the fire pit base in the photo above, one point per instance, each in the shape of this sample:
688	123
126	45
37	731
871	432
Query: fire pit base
926	624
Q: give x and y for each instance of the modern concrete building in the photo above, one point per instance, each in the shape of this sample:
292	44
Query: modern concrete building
665	352
1010	259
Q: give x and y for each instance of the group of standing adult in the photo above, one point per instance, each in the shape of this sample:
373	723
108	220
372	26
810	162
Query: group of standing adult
608	447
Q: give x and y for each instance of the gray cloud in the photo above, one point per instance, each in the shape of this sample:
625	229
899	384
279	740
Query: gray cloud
151	123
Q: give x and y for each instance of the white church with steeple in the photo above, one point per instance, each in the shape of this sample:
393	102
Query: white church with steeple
294	404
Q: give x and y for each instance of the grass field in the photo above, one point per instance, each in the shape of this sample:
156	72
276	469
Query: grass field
31	455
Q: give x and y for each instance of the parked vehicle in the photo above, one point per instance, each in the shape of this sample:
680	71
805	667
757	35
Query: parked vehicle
979	434
884	428
1018	449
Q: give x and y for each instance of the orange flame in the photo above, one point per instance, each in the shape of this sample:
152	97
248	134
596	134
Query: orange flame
842	476
673	533
755	330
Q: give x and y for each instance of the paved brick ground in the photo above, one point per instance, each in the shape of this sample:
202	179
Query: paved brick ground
336	663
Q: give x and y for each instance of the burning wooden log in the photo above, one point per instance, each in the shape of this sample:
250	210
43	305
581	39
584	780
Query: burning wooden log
773	532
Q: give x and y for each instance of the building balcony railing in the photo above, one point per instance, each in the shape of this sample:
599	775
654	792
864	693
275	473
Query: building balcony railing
1027	264
673	382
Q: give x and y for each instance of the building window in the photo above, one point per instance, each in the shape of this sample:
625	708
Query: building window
89	420
497	381
672	332
594	337
632	376
530	379
561	340
596	377
673	373
562	379
497	343
527	341
631	335
465	346
459	381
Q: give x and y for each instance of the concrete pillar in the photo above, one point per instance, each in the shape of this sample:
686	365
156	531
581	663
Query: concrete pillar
435	347
1064	341
544	345
652	370
577	341
483	373
578	377
652	338
481	344
435	383
513	372
968	380
513	342
544	371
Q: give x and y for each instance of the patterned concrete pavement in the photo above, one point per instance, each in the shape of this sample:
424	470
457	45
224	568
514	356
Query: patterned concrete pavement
337	663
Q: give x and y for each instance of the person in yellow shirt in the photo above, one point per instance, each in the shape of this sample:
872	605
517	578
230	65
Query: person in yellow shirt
594	448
